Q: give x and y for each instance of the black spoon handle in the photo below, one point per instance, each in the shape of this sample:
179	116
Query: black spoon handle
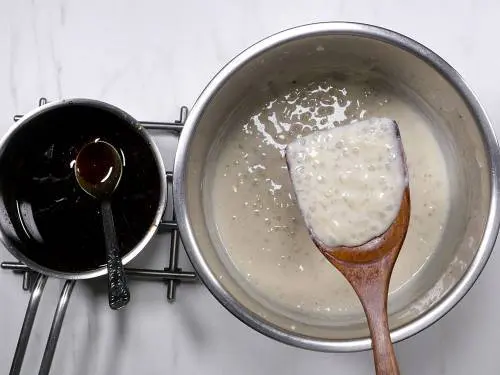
118	292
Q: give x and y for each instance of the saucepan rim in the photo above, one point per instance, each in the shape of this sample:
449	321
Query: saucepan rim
195	252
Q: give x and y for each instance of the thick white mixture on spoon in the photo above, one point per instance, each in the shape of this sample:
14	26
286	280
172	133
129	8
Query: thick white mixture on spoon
249	194
349	180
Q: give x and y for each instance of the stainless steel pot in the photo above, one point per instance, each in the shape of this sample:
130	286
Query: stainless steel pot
16	232
461	127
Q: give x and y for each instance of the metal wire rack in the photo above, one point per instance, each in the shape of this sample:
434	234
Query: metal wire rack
34	282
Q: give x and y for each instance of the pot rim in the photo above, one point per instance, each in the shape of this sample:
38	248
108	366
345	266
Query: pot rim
163	186
195	253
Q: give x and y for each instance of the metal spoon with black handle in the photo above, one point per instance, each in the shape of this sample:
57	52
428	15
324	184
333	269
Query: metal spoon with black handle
98	170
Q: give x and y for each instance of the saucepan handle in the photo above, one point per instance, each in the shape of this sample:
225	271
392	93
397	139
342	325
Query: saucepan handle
55	329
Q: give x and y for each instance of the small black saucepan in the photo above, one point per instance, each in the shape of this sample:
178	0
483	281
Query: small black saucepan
46	220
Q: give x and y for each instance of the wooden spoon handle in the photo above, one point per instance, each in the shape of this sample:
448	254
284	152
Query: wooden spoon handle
383	350
371	286
372	290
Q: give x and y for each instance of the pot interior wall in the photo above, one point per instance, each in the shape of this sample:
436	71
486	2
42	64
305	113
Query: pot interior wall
276	70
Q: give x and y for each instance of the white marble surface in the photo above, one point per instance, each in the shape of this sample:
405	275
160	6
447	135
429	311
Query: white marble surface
149	57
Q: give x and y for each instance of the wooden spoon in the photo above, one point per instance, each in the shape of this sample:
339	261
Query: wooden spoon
368	269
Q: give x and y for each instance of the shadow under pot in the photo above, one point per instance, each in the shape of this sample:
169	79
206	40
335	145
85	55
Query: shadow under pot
46	220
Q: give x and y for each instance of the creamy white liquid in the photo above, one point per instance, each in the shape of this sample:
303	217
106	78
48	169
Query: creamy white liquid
348	180
258	220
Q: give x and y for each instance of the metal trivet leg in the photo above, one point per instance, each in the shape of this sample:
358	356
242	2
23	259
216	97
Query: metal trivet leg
171	225
133	273
173	262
